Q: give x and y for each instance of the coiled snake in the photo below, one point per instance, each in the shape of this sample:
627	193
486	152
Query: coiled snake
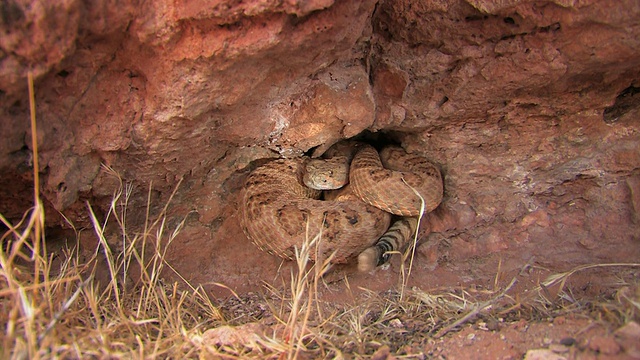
279	212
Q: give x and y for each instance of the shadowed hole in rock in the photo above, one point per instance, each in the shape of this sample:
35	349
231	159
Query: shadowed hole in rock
377	140
471	18
551	28
626	101
62	187
11	13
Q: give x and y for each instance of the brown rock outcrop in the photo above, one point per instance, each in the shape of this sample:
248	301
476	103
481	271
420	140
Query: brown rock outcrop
531	108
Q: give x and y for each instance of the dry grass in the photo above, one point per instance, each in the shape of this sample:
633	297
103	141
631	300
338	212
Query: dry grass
62	311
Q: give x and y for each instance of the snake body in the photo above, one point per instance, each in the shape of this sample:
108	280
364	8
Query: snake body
280	212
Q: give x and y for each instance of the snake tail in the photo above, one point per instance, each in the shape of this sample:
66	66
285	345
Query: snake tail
393	240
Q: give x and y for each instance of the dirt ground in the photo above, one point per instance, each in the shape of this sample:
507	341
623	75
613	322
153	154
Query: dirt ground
572	337
486	325
522	311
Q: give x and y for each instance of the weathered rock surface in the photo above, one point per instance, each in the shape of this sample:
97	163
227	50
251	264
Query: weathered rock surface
532	109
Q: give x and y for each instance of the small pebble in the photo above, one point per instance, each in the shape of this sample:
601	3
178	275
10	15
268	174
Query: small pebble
558	349
560	320
382	353
604	344
542	354
628	337
469	340
493	325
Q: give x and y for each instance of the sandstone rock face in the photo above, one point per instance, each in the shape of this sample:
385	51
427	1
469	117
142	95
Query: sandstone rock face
532	109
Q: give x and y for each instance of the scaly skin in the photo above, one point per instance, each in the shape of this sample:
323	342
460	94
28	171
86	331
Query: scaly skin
278	207
378	180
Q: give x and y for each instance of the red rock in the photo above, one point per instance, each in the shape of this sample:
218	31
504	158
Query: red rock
383	353
628	337
494	241
507	97
604	345
559	320
542	354
539	217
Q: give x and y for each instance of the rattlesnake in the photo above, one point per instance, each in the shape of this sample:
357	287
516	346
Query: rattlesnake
280	212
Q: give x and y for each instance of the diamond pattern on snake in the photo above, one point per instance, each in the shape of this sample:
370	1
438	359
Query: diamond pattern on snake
282	207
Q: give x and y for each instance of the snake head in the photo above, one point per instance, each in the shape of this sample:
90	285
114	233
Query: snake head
326	174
